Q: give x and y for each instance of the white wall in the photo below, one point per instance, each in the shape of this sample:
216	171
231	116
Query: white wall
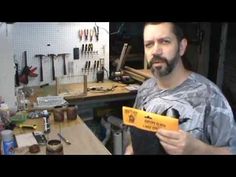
7	71
62	37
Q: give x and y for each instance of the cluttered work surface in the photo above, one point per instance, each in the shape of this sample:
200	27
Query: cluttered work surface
81	138
102	91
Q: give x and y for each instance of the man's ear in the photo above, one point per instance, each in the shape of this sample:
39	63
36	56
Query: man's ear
183	46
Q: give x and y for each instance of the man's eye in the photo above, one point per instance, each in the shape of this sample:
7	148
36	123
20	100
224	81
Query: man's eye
148	45
164	41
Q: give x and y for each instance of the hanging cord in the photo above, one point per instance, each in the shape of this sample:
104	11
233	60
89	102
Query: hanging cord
119	29
101	28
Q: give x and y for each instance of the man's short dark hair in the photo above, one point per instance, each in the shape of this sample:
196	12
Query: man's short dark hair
177	30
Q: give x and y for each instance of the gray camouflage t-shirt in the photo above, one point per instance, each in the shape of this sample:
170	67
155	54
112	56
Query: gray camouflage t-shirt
203	110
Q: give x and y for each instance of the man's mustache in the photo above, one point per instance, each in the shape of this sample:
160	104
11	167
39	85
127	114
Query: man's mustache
159	59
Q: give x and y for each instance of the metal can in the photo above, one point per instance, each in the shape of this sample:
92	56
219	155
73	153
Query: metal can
54	147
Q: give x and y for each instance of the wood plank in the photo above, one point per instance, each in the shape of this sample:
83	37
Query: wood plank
135	76
142	72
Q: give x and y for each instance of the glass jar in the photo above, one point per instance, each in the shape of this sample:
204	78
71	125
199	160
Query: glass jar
58	114
71	112
20	100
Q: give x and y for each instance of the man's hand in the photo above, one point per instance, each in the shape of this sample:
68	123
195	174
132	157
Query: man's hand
129	150
180	142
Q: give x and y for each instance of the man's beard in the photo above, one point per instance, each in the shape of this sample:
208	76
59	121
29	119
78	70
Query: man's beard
163	70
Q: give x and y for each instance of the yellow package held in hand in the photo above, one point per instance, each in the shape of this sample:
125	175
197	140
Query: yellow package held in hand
148	121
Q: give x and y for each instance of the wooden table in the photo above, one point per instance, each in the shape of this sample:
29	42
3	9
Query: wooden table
82	138
117	94
83	141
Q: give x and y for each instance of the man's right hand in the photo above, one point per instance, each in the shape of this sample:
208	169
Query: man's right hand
129	150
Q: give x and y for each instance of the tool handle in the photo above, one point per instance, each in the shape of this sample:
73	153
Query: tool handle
64	139
64	64
53	69
41	69
25	56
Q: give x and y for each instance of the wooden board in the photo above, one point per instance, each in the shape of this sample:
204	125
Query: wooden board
138	74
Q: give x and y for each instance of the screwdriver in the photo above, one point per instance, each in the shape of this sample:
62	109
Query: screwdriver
64	139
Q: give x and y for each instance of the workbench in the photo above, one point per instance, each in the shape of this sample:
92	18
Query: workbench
83	141
82	138
118	93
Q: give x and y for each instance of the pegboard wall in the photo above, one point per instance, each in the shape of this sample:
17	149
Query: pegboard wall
58	38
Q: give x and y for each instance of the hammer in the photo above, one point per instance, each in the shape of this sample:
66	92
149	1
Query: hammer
53	69
41	65
64	61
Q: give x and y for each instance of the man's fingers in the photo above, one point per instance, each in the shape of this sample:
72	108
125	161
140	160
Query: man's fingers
169	133
169	148
167	140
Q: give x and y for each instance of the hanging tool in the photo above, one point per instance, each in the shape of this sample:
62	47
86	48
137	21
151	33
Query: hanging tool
82	50
90	49
94	69
91	34
52	56
27	71
64	61
86	34
96	31
24	74
41	65
32	72
80	35
97	65
89	66
85	67
17	83
85	50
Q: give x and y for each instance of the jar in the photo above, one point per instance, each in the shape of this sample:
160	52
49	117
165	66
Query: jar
20	100
54	147
71	112
58	114
8	142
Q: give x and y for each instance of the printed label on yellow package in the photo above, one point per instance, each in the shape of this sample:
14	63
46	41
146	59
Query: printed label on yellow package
148	121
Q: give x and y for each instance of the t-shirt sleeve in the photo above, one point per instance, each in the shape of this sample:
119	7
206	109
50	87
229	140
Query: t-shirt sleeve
220	123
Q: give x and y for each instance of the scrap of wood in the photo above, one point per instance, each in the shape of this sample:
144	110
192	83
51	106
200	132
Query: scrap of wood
144	73
135	76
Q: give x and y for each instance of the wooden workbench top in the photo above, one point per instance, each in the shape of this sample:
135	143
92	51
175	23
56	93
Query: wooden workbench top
73	91
83	141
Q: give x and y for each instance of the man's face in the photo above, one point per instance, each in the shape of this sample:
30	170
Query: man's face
162	50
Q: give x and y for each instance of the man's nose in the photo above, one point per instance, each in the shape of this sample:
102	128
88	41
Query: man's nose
157	50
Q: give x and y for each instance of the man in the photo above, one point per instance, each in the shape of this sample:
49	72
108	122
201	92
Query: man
205	118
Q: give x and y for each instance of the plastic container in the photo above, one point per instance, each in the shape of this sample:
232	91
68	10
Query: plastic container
8	142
